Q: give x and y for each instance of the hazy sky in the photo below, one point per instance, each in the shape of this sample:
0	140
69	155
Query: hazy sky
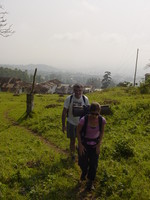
94	35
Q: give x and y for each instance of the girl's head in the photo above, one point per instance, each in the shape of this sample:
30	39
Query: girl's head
95	108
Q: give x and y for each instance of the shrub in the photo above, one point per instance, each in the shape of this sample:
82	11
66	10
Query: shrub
124	84
123	149
145	87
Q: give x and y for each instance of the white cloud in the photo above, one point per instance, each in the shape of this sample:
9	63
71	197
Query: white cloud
72	36
89	6
86	36
77	32
113	38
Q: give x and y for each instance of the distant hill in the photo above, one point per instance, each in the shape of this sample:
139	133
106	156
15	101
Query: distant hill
69	75
41	68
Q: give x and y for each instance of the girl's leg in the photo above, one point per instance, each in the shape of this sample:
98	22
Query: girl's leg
93	163
83	163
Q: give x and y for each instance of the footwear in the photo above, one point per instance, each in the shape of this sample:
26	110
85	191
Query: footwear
90	185
73	158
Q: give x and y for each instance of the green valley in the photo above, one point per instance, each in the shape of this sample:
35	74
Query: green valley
34	153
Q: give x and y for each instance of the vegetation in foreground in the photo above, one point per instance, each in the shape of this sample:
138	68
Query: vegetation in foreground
34	159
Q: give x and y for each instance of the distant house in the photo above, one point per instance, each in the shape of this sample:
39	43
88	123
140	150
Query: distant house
88	89
55	81
70	89
62	89
52	88
9	84
98	90
40	89
13	85
3	83
49	86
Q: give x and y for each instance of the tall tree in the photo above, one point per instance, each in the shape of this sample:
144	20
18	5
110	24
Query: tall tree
106	79
5	29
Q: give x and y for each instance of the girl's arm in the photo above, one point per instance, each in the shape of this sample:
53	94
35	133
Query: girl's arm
100	140
80	146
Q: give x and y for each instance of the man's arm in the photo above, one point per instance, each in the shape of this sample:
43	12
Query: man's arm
64	114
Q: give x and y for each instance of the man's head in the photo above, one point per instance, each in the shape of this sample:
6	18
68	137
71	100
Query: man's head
78	90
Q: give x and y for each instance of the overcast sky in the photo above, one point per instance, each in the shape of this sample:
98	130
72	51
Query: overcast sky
90	35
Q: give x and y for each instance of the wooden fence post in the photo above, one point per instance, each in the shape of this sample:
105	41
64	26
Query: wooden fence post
30	103
30	96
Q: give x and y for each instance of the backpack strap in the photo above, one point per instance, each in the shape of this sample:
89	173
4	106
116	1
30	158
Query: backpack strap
70	99
84	99
84	126
100	122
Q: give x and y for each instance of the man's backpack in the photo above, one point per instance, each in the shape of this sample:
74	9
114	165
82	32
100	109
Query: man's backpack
79	111
83	131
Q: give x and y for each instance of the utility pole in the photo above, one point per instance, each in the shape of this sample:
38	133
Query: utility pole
136	66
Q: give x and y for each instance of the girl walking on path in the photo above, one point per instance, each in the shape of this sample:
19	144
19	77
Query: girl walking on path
90	132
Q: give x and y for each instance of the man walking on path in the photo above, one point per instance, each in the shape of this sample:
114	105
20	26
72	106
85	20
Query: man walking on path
77	99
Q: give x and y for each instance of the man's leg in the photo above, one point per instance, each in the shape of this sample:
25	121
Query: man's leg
71	134
72	147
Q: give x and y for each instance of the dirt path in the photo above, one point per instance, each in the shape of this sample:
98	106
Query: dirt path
81	192
47	142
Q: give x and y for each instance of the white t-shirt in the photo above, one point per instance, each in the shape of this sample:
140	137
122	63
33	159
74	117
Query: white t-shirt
80	102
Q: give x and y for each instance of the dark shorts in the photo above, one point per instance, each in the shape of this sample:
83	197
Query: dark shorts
71	130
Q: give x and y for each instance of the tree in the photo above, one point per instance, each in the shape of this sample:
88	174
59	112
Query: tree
145	87
95	82
5	29
15	73
124	84
106	79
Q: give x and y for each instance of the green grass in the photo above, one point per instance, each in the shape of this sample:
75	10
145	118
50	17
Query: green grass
32	169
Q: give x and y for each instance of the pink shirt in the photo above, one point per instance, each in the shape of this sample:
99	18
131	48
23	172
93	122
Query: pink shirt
92	132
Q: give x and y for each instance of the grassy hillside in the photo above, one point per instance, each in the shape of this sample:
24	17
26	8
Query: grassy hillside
34	159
